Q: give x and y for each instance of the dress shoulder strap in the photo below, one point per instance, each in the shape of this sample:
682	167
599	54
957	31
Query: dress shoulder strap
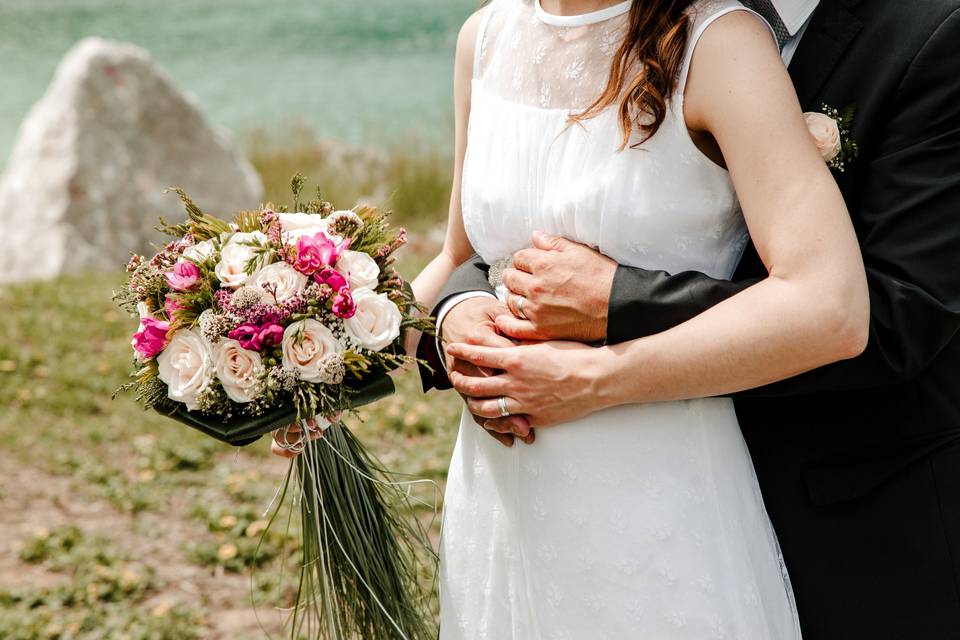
481	44
703	14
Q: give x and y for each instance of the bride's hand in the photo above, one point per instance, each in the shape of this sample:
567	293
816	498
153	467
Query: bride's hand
472	322
549	382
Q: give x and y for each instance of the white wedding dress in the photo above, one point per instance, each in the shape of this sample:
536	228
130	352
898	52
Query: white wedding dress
642	521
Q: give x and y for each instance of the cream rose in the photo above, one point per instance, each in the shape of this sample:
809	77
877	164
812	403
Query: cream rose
285	281
295	225
306	344
199	252
186	367
234	256
825	133
360	268
238	370
376	324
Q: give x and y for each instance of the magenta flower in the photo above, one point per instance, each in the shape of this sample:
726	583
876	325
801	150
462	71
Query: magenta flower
254	337
171	305
248	335
331	277
271	335
343	304
152	338
316	252
185	276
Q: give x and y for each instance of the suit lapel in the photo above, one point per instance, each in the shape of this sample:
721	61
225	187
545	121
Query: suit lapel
830	32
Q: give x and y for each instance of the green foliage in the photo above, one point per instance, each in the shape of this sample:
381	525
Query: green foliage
410	178
240	539
105	596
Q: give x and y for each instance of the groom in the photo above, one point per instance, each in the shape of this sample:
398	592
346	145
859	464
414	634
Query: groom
859	461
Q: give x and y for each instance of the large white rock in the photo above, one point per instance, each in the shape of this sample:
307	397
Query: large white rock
85	182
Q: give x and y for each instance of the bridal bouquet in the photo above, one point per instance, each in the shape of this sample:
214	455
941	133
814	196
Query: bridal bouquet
278	317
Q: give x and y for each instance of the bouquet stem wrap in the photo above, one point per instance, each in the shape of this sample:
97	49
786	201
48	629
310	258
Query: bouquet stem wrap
359	574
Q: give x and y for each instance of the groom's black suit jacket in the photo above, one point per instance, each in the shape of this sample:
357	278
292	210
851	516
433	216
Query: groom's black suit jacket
859	462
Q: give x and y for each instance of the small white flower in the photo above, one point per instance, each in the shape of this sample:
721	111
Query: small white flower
376	324
296	225
306	345
360	268
284	280
238	370
199	252
234	257
186	367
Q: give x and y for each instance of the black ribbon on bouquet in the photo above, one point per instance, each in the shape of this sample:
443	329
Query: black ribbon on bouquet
244	430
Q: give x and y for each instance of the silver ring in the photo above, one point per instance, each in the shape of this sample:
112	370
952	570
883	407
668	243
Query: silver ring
520	301
502	405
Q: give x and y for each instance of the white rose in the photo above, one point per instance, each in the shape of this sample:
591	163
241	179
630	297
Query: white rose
307	354
285	280
238	370
186	367
199	252
360	268
295	225
376	324
825	133
234	256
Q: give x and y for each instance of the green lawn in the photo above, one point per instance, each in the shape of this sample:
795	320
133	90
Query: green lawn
118	523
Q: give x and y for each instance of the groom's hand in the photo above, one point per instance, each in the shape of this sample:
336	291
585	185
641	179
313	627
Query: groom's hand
566	287
473	322
549	382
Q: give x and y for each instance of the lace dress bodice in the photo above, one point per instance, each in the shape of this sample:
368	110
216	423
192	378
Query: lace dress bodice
661	204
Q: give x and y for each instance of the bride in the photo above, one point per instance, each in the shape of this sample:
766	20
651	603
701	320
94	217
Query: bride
660	132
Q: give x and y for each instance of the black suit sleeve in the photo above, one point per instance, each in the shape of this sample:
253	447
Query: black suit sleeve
470	276
908	223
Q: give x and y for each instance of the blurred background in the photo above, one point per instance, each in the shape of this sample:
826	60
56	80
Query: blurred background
114	522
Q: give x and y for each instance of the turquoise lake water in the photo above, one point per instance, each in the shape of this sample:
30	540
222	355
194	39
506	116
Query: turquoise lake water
357	70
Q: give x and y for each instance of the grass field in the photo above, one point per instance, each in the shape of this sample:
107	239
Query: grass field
117	523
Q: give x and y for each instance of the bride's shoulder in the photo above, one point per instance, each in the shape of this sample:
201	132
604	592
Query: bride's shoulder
704	13
467	38
725	20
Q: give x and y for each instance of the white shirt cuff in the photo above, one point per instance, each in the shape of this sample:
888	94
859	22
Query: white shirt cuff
446	307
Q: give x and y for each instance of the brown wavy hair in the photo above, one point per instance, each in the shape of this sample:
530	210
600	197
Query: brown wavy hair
644	71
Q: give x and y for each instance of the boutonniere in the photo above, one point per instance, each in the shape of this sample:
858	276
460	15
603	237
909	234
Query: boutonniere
830	129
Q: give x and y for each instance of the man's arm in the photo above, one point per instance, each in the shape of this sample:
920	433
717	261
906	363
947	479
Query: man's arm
469	279
908	223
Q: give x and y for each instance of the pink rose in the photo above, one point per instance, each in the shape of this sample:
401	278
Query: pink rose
331	277
825	133
248	335
254	337
151	339
271	335
316	252
185	276
343	305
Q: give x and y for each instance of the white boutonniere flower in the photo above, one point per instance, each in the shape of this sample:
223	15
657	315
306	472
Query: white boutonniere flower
830	130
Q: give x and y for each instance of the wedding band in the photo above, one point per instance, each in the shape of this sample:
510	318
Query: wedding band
502	405
520	301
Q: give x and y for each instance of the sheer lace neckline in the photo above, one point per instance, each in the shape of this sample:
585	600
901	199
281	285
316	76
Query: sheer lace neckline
582	19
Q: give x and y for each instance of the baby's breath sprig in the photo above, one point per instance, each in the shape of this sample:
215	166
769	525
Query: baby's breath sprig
849	149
